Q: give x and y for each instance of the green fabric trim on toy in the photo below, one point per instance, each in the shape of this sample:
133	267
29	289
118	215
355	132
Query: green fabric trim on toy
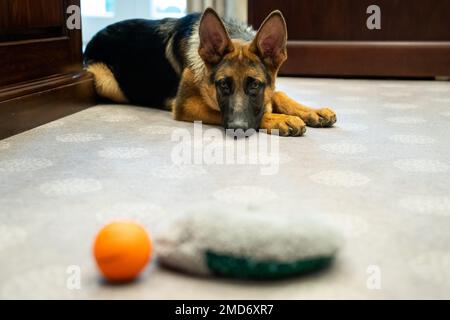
245	268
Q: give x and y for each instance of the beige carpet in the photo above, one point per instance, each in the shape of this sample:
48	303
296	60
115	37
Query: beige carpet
381	175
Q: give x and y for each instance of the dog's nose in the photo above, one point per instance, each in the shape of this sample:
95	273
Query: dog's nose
239	129
238	124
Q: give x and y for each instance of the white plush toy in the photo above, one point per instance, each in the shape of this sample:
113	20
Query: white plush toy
252	246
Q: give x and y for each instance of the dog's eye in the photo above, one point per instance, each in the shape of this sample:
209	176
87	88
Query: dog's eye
253	85
224	85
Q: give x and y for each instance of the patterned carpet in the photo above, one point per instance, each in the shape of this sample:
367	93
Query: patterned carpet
381	175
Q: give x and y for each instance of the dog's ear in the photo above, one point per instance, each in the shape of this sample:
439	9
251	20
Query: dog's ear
215	42
271	40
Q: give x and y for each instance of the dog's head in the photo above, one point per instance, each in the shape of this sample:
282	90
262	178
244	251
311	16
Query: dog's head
242	74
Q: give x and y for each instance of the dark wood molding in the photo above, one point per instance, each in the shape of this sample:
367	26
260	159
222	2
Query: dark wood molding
36	58
331	37
345	20
28	105
43	84
28	57
371	58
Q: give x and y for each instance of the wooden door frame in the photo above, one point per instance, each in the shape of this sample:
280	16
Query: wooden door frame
38	96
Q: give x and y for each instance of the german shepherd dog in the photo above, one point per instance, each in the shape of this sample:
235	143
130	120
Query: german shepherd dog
202	68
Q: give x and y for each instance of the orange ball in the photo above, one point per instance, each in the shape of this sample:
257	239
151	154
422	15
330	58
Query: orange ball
122	249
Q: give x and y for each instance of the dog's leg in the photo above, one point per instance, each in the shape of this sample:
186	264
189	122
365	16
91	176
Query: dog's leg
317	118
106	84
285	124
194	109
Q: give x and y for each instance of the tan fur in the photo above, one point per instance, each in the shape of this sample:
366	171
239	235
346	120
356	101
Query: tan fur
190	104
169	104
285	124
324	117
204	90
197	100
106	84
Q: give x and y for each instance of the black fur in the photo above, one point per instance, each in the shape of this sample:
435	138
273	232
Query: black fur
135	51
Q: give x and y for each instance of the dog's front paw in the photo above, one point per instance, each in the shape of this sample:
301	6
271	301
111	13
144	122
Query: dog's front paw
285	124
320	118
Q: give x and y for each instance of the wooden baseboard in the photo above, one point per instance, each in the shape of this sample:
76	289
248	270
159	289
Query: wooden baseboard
28	105
368	59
